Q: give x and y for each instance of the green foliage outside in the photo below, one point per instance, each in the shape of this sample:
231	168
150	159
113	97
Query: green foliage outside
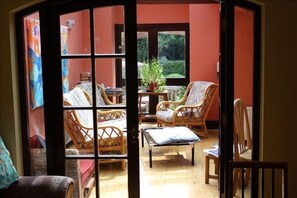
173	69
171	51
142	50
171	46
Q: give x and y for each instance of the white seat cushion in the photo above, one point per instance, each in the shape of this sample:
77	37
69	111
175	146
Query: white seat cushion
171	135
165	115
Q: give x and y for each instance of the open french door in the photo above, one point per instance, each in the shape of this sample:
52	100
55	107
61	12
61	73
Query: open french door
93	52
238	19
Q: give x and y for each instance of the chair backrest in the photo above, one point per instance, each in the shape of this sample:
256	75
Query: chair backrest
200	93
197	92
242	138
100	98
78	123
273	179
77	97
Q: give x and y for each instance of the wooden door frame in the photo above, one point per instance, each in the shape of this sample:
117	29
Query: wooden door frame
227	89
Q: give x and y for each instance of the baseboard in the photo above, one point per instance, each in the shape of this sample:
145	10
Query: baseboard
212	124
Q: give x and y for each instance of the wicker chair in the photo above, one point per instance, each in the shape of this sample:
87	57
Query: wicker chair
191	110
101	100
79	125
242	141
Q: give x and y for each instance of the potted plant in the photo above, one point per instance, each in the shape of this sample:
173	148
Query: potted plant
151	75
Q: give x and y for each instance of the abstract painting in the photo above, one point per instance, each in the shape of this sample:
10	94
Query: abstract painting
34	63
64	50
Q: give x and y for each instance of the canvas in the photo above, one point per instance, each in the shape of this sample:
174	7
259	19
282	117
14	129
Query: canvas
34	63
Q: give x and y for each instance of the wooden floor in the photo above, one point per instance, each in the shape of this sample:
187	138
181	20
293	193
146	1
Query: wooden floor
172	174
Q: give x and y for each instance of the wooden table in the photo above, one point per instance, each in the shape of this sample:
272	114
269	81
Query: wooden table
153	101
117	93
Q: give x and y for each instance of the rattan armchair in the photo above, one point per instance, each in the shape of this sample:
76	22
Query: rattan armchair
101	100
191	110
79	125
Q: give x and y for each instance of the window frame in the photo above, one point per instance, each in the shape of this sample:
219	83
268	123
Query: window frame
153	30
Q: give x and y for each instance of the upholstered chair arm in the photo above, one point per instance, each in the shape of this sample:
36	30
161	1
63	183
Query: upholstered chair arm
40	186
165	105
188	114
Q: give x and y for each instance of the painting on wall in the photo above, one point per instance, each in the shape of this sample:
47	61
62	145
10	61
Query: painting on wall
34	63
64	50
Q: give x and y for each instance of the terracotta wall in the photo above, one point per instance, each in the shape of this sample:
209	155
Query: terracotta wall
162	13
204	45
243	68
75	45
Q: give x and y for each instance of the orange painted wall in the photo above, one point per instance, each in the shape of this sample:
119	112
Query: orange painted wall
162	13
204	47
76	36
243	67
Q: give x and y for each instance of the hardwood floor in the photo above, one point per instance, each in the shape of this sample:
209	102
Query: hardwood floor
171	175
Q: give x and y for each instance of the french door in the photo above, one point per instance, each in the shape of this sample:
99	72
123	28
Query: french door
240	55
92	52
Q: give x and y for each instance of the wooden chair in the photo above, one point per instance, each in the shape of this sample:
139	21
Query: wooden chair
242	140
273	179
191	110
79	125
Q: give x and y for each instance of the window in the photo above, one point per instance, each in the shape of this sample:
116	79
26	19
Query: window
167	42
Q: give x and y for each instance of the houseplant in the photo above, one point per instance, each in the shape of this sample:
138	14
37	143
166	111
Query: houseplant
151	75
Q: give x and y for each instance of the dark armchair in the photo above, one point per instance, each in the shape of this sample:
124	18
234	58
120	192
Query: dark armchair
40	186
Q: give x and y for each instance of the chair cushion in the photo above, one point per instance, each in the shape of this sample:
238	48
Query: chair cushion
86	170
88	88
76	97
170	135
8	173
165	115
37	141
197	92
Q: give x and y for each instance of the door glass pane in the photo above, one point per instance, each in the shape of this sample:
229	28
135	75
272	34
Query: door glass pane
105	19
142	49
172	53
105	77
243	86
75	71
91	129
34	86
75	30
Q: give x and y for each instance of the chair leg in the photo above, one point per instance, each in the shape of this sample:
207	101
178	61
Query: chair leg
123	165
236	180
247	176
206	169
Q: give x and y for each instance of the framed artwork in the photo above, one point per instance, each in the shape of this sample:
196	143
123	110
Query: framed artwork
34	63
64	50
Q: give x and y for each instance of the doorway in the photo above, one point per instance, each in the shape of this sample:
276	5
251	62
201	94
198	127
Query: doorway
57	143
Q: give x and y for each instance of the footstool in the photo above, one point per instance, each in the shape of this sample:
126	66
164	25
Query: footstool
169	136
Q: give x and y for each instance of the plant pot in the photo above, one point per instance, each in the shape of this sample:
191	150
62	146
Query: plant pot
152	86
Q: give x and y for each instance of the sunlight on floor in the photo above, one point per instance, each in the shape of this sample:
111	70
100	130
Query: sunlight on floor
171	175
